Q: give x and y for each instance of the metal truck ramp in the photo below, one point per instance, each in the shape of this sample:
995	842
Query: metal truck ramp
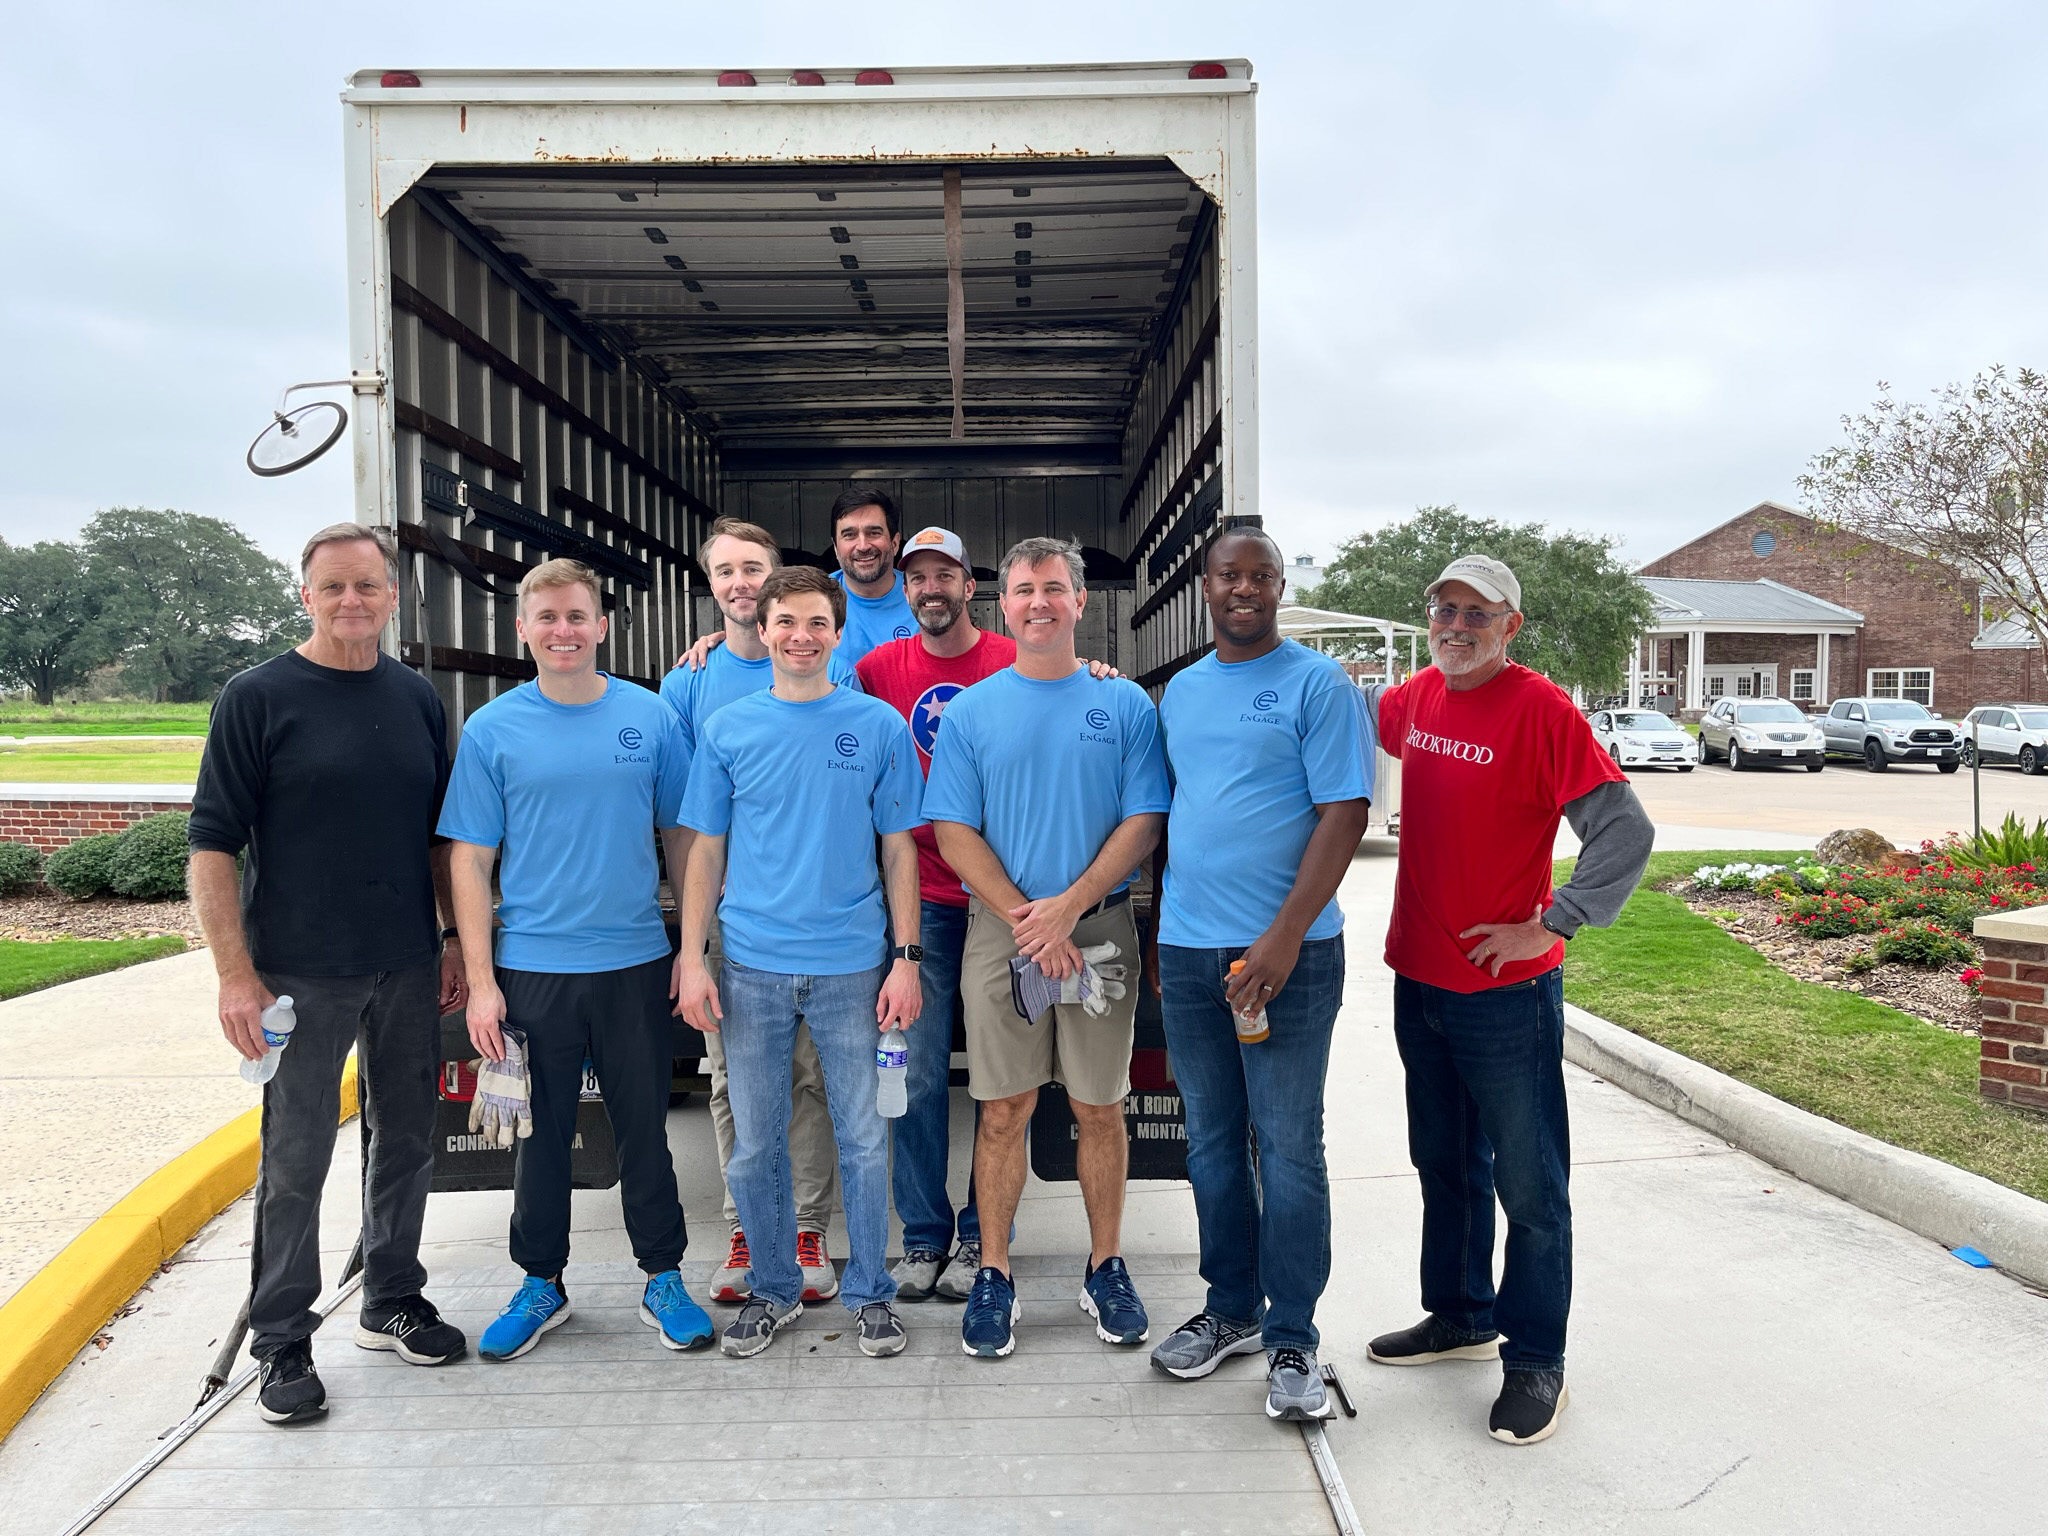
602	1430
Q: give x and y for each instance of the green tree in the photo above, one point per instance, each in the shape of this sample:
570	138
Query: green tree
190	598
51	633
1582	609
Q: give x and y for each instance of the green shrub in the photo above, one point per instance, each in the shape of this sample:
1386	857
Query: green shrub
1829	916
1803	881
149	858
2011	843
1922	944
83	869
20	867
1863	960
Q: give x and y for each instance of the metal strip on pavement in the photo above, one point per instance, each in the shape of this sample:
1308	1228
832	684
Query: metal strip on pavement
1341	1510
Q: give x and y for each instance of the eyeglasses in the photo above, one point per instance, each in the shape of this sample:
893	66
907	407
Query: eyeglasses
1475	618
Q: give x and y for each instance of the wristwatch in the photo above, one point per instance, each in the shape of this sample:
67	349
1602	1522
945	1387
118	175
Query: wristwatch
449	933
914	953
1547	923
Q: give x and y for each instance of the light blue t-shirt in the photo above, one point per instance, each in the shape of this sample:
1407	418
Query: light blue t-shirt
1254	748
696	694
573	793
1045	771
799	791
873	621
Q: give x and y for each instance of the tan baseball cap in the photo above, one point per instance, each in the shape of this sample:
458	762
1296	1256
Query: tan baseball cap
936	541
1489	577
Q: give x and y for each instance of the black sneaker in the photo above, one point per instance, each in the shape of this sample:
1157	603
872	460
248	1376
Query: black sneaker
289	1389
1431	1339
410	1327
1528	1407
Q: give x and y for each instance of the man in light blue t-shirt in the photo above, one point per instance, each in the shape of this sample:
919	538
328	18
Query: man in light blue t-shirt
865	538
571	775
738	557
788	793
1048	788
1271	753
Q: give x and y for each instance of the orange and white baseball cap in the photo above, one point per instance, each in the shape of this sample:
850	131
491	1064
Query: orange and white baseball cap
936	541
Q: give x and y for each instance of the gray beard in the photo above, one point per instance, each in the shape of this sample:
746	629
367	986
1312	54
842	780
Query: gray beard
945	625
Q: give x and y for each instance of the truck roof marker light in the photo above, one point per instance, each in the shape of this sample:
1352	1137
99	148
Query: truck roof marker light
395	79
805	77
656	235
1207	72
874	77
736	77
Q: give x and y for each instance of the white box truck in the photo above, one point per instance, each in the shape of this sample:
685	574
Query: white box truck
591	311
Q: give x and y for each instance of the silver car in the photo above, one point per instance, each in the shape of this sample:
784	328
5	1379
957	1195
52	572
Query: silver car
1637	738
1752	733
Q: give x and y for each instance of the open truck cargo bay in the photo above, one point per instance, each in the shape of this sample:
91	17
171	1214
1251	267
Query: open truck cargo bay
591	312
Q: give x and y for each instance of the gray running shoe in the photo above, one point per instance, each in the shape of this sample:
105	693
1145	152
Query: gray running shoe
881	1330
1202	1343
1430	1340
957	1282
916	1273
755	1328
1294	1385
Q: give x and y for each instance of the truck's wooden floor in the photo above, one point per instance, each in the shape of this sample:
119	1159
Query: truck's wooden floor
601	1429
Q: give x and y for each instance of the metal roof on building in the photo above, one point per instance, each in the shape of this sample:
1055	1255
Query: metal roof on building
1691	601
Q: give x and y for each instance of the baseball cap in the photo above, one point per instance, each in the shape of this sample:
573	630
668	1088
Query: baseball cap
937	541
1489	577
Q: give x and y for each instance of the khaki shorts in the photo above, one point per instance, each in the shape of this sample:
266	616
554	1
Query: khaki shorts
1088	1055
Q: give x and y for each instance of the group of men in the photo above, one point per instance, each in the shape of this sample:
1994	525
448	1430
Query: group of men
870	810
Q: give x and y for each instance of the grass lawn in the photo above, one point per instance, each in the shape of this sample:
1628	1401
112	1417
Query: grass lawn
116	718
26	967
100	760
1672	976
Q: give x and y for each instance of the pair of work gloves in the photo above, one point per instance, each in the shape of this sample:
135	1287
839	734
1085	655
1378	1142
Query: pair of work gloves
1094	986
502	1108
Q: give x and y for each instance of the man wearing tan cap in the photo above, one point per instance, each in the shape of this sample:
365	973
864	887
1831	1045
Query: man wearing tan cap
1492	757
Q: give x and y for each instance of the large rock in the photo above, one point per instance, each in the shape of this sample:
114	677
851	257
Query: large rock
1852	845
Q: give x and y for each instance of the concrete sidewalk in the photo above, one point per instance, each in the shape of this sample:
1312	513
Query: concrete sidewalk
102	1082
1747	1354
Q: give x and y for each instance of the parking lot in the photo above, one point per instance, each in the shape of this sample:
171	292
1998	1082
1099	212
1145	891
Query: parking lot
1905	804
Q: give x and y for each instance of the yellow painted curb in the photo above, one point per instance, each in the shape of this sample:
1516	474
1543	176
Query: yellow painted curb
71	1298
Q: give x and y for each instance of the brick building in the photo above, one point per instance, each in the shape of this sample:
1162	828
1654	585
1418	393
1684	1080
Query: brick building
1875	619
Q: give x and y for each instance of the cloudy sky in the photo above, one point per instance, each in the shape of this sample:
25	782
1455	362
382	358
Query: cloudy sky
1614	266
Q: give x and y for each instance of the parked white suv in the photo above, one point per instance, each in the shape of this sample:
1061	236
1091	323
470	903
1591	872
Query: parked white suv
2007	733
1753	732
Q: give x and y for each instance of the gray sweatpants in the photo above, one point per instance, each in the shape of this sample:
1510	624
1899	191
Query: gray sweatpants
394	1019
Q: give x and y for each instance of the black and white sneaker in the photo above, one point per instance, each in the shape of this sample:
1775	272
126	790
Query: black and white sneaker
1528	1407
289	1390
1430	1340
411	1328
881	1330
1202	1343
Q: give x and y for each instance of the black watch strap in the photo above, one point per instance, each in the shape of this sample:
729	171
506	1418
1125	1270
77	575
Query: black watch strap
914	953
450	933
1547	923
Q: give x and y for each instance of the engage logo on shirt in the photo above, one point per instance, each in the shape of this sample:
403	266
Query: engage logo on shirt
846	744
1264	703
632	740
926	713
1449	746
902	632
1098	723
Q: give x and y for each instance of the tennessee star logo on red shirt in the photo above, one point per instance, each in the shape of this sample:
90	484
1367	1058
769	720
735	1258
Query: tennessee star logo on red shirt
926	713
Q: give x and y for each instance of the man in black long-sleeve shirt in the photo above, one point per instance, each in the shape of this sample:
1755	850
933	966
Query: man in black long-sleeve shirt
327	766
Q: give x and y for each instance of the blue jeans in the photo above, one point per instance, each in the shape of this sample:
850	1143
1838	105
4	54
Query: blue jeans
1255	1134
761	1010
923	1136
1486	1116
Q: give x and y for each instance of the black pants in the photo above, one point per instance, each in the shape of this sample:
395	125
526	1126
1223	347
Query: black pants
620	1021
393	1019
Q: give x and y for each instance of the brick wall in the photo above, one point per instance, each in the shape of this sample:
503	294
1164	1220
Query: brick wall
1915	613
2012	1057
47	825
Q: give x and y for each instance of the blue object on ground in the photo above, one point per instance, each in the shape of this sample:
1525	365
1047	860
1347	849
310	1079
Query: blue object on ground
1972	1257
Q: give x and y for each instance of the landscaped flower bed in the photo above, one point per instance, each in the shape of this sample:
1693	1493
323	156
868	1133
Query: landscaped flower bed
1900	934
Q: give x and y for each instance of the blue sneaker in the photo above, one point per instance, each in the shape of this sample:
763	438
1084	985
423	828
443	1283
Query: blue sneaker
992	1307
535	1307
667	1306
1108	1296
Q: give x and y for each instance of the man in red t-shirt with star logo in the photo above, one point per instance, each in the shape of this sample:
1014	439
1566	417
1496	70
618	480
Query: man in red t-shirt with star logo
1493	755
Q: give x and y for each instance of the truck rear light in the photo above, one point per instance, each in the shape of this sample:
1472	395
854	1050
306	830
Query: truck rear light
806	77
458	1082
874	77
1207	72
735	77
391	79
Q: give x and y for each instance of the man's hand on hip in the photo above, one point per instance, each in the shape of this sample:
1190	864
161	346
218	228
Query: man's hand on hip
242	1001
486	1012
1510	943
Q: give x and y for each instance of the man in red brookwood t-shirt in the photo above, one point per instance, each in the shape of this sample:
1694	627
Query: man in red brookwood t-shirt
1492	757
919	677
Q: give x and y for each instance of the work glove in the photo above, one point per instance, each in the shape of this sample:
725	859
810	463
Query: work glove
503	1105
1094	986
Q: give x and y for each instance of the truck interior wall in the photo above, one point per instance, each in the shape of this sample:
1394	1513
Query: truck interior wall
487	384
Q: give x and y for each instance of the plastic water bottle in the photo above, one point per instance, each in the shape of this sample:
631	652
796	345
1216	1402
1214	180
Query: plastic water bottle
1251	1028
278	1023
892	1074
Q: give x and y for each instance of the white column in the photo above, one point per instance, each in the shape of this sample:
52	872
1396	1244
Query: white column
1635	674
1695	655
1821	697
